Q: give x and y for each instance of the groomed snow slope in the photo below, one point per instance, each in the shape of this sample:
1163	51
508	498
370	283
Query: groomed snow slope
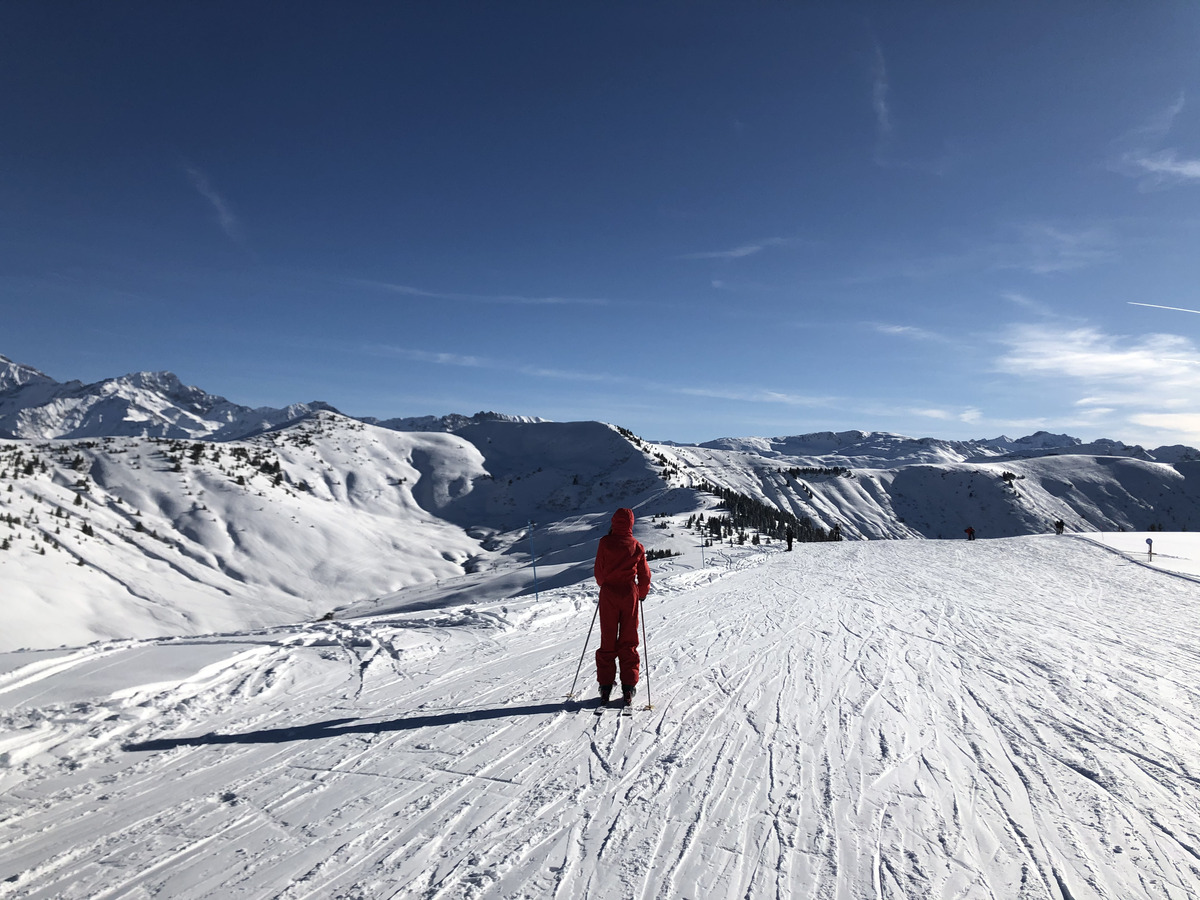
998	719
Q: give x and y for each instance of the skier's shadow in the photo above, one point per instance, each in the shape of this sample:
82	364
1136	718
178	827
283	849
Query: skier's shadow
337	727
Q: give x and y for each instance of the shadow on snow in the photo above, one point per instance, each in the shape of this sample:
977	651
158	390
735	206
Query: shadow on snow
338	727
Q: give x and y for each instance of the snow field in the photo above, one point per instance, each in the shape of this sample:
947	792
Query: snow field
1000	719
135	537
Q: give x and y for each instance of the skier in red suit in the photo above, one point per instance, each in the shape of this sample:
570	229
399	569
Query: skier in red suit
624	578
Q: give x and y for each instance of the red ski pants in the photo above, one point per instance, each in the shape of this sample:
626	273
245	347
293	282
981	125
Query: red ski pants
618	636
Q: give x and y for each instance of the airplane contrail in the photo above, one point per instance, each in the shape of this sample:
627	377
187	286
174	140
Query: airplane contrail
1156	306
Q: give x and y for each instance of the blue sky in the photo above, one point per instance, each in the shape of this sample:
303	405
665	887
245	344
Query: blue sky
693	220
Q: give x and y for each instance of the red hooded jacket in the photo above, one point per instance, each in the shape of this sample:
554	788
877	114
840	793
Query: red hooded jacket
621	559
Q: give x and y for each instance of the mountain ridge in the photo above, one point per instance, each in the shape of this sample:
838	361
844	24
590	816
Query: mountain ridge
312	512
328	514
158	404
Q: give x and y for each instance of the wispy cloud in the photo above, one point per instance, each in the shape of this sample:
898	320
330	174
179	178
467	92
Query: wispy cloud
755	395
1128	383
1157	128
1044	248
1166	167
482	362
885	125
720	284
225	216
1139	153
1185	425
970	415
513	299
1135	365
880	88
908	331
427	356
1039	248
741	394
740	252
1029	303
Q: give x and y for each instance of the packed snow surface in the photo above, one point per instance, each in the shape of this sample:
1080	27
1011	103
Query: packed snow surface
1013	718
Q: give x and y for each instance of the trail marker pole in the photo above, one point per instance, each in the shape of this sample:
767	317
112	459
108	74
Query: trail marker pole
533	560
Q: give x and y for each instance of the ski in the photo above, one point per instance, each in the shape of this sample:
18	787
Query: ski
614	704
592	703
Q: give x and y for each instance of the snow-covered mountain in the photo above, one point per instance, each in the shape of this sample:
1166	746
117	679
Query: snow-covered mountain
452	422
13	375
315	512
330	513
157	404
147	404
882	449
191	536
893	487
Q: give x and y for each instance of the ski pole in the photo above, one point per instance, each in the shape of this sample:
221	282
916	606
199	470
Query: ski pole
571	693
646	653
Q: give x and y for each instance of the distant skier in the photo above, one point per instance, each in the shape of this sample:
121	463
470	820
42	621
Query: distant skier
791	536
970	533
623	574
1059	526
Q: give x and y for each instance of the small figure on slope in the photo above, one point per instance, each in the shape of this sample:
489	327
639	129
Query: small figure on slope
624	577
970	533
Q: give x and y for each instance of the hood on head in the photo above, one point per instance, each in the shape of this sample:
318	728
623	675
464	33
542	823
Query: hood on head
622	521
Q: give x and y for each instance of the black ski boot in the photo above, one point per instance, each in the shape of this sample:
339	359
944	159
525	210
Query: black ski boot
627	692
605	693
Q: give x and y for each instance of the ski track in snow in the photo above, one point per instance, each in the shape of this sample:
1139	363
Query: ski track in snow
1001	719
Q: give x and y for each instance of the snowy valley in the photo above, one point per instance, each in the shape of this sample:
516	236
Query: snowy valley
288	653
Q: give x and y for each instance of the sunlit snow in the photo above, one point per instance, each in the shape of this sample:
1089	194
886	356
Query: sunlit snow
1007	718
332	659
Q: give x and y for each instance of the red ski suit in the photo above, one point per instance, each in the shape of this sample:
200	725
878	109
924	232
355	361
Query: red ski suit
624	578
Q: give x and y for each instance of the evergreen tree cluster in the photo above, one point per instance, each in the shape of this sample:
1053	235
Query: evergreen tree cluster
668	466
16	464
631	437
748	513
813	471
